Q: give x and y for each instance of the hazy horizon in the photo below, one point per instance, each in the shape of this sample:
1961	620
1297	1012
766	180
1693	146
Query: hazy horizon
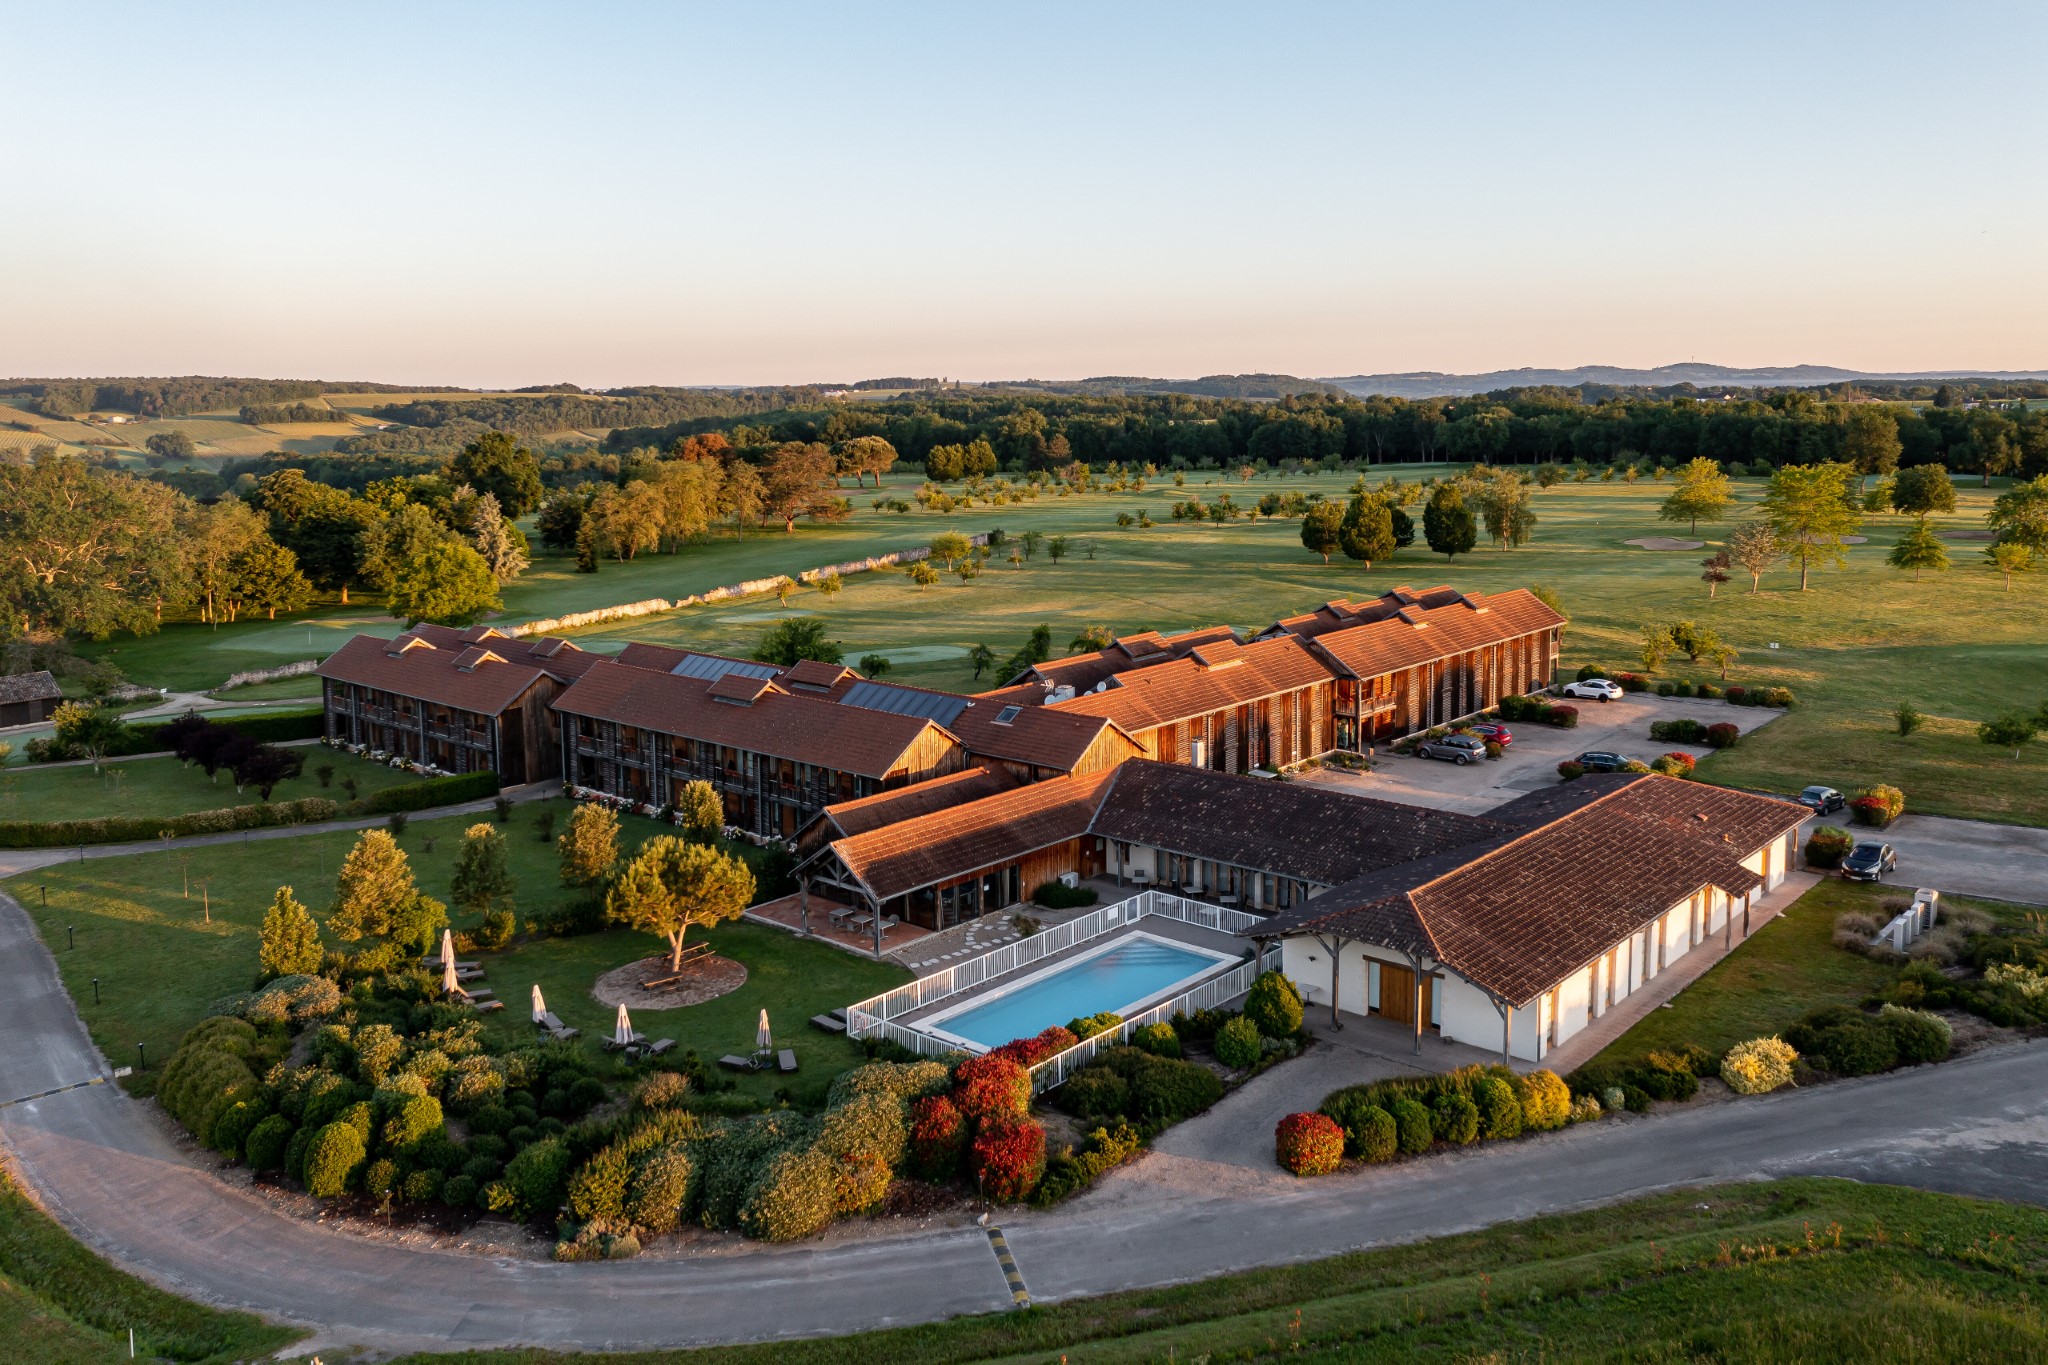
631	194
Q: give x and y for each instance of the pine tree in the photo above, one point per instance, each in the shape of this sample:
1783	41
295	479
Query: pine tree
1367	531
481	882
497	540
589	848
672	886
373	890
289	943
703	813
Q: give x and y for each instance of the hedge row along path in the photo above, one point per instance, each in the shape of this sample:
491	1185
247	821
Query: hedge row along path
104	1165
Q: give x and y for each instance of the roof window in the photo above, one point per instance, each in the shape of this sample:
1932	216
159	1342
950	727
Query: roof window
1008	715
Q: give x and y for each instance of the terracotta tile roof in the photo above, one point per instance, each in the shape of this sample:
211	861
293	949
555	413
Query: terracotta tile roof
783	725
1083	671
1516	914
1338	614
692	662
477	670
1417	634
919	798
36	686
1216	676
1294	829
812	675
950	843
739	689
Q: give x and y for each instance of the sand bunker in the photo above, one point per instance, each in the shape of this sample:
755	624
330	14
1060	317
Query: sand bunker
1969	535
707	978
1667	543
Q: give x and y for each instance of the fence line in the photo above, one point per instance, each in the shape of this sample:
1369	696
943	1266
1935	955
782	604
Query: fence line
1055	1069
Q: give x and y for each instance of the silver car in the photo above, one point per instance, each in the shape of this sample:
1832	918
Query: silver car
1459	749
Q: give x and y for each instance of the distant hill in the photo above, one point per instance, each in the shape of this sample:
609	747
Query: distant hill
1435	384
1208	386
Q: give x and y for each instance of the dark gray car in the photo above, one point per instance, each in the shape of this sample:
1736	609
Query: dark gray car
1459	749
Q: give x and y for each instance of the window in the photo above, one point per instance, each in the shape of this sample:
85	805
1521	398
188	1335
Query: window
1008	715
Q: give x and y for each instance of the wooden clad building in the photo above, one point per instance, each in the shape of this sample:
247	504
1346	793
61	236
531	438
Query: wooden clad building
26	698
455	700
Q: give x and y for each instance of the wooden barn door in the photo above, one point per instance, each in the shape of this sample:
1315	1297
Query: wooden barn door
1397	994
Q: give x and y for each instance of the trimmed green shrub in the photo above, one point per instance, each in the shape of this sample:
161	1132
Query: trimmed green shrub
380	1178
1546	1100
422	1187
232	1127
1056	896
1845	1041
1158	1039
1684	730
1723	735
734	1160
1919	1036
121	829
431	792
1088	1026
1412	1130
1237	1044
1374	1136
1166	1091
662	1188
458	1192
538	1178
1828	845
1094	1092
208	1074
333	1158
792	1199
1069	1172
415	1119
1201	1026
264	1148
866	1126
1308	1144
1500	1113
907	1081
1455	1119
1274	1005
1758	1066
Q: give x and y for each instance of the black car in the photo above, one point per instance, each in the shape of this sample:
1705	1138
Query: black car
1600	761
1821	800
1869	862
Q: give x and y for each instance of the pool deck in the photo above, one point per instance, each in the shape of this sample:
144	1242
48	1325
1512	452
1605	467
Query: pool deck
1159	926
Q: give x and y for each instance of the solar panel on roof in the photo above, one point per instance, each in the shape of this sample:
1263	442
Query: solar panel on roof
905	701
711	666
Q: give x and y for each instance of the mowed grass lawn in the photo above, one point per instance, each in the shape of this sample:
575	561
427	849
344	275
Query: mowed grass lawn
164	786
162	965
1792	1271
1785	969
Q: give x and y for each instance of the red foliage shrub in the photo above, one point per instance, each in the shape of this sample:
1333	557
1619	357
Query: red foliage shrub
1683	760
1308	1144
1571	769
991	1085
1563	717
1736	692
1009	1157
1722	735
938	1134
1029	1052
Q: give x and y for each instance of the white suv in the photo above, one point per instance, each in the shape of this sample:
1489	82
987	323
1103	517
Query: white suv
1593	689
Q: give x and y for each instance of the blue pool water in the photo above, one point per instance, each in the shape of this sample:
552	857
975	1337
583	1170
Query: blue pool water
1128	974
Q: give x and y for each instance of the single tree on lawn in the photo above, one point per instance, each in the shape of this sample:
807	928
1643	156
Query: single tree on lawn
445	582
1056	547
1808	507
1920	548
89	730
1907	718
672	886
589	849
1694	641
1716	566
265	577
1921	489
700	812
2020	515
1031	540
289	942
874	665
1091	639
1322	529
482	882
1754	545
797	639
263	766
2009	557
1367	531
923	574
982	657
830	584
785	588
950	547
2009	732
1657	647
376	898
1704	493
1447	524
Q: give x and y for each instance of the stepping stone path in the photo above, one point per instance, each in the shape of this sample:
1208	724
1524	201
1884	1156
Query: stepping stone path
961	941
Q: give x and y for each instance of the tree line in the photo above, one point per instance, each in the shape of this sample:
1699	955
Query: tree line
172	397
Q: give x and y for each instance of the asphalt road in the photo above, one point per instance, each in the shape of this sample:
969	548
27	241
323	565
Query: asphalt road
1965	857
104	1166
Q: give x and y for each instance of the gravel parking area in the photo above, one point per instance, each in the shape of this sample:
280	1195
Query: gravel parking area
1530	763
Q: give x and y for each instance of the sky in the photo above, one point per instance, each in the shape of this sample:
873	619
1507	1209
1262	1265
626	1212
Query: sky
612	194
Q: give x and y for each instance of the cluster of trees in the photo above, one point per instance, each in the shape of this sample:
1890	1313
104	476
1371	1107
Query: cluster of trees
567	408
216	748
160	397
283	414
1374	523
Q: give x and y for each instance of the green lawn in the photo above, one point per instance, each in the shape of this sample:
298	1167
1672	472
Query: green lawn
60	1304
161	964
164	786
1787	968
1794	1271
303	688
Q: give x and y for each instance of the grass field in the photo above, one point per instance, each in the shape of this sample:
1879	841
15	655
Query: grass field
1794	1271
1787	968
1956	646
161	964
164	786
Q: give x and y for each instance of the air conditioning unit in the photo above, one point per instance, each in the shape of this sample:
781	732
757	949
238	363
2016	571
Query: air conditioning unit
1061	693
1070	880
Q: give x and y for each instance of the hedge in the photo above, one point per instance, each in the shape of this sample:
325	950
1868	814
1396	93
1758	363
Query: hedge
434	791
1684	730
1009	1158
120	829
938	1135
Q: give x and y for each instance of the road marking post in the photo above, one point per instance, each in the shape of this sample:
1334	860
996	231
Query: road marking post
1020	1297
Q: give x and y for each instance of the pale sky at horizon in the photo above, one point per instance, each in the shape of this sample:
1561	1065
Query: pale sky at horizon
617	194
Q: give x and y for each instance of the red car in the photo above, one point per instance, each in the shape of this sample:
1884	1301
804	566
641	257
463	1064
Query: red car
1498	733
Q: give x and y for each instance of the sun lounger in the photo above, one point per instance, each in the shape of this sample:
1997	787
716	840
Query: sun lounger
659	1046
828	1024
614	1045
785	1060
485	1006
460	964
549	1022
732	1063
563	1035
484	994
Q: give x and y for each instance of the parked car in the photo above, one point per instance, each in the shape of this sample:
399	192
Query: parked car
1493	730
1821	800
1870	862
1600	761
1459	749
1593	689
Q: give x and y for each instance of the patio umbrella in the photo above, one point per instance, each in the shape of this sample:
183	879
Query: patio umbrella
622	1032
448	984
540	1006
764	1041
448	947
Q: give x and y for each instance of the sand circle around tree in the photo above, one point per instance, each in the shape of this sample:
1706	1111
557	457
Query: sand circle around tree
1665	543
704	979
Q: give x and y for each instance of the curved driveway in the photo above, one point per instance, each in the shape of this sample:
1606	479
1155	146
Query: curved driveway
103	1165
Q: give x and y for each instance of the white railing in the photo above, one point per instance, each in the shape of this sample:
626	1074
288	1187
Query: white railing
1055	1069
875	1016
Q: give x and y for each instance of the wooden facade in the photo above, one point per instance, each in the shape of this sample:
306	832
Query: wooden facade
518	743
1277	731
1383	708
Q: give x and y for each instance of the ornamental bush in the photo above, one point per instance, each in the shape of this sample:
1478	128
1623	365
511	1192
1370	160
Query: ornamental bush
1088	1025
263	1149
1684	730
1877	806
1237	1044
380	1178
1412	1131
1758	1066
1158	1039
418	1117
598	1189
866	1126
1845	1041
1570	771
1709	691
1672	765
1308	1144
1165	1090
1723	735
659	1195
1546	1100
1274	1005
422	1187
1029	1052
1009	1157
1828	845
1454	1118
332	1159
734	1160
538	1178
1919	1035
1071	1172
938	1133
860	1182
792	1199
1094	1092
1562	717
458	1192
990	1086
1500	1113
907	1081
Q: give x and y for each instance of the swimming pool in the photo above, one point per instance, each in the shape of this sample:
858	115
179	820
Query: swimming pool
1122	977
